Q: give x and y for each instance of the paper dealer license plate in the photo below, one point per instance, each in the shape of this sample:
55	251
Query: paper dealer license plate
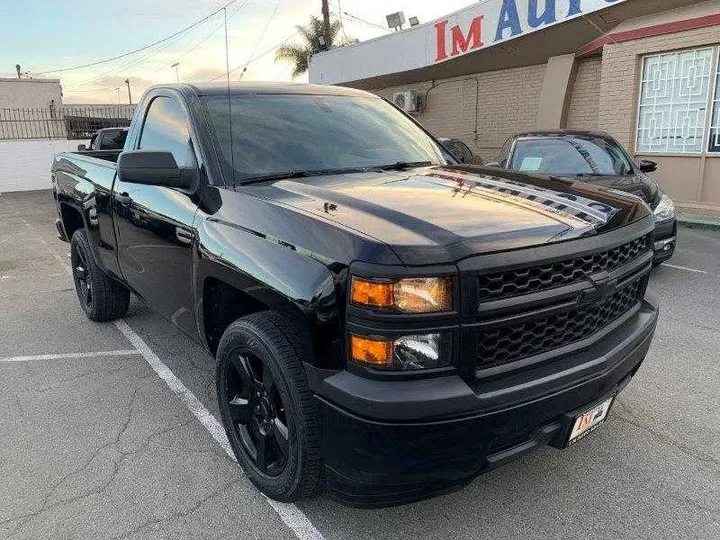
589	421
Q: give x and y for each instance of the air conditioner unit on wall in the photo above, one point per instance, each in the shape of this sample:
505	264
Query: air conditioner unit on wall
407	101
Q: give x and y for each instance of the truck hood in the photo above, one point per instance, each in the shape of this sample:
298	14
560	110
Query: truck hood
443	214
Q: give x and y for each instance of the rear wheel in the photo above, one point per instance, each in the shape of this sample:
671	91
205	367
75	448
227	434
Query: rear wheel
101	298
267	407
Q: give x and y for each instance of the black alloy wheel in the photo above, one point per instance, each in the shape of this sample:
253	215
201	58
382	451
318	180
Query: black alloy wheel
101	298
267	407
257	411
82	277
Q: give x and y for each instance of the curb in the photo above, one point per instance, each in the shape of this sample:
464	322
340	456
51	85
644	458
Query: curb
699	222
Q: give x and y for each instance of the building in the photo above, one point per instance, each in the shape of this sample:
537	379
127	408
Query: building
646	71
29	93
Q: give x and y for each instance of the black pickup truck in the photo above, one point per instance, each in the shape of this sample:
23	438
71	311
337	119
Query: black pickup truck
387	324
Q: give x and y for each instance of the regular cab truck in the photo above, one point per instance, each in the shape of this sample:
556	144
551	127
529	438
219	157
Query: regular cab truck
387	324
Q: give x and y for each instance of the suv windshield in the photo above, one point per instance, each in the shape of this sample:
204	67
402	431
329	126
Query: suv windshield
275	135
570	156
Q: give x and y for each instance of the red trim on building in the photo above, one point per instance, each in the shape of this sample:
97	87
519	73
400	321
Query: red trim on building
650	31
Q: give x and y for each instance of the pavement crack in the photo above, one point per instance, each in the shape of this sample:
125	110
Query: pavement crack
625	415
178	515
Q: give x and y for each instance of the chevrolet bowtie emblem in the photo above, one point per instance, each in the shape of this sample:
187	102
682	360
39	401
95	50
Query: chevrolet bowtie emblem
603	287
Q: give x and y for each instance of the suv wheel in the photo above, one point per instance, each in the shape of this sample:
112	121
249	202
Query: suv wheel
267	407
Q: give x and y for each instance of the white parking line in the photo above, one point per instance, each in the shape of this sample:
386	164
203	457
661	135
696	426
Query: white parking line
69	355
291	515
685	268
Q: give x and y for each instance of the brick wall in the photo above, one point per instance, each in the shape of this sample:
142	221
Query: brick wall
585	99
508	103
621	67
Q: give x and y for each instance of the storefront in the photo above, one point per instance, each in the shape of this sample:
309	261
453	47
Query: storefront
646	71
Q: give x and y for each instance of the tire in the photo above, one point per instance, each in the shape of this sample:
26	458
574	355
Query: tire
275	437
101	298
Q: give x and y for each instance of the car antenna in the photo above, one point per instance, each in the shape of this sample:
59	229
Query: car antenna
230	122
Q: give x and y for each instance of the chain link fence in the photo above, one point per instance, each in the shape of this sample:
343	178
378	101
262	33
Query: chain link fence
61	122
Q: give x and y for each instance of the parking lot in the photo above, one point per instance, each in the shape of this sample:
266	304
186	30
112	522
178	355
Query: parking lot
110	430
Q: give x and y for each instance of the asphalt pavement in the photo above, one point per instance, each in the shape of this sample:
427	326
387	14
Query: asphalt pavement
110	430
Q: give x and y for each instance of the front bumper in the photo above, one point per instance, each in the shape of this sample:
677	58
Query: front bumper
665	239
395	442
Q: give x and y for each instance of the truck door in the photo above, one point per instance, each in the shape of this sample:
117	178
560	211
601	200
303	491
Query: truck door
154	225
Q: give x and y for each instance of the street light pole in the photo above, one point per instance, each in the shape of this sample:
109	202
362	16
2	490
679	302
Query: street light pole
177	72
118	92
127	81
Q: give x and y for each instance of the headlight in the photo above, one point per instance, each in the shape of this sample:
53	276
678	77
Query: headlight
414	295
407	353
665	209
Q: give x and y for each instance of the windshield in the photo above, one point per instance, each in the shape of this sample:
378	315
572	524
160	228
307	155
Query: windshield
570	156
281	134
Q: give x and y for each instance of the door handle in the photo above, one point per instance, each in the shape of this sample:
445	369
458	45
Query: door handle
123	198
183	235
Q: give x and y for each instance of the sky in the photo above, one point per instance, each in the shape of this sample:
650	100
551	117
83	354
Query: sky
47	35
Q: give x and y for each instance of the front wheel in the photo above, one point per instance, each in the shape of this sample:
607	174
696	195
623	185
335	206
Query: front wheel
101	298
267	407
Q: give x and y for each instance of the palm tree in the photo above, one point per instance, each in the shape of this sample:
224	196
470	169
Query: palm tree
298	54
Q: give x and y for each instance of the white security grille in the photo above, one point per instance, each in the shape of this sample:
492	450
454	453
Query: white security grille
673	101
714	142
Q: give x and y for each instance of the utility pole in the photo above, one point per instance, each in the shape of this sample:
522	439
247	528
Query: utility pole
326	23
127	81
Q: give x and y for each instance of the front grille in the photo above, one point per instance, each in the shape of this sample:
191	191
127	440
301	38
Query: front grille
500	285
509	343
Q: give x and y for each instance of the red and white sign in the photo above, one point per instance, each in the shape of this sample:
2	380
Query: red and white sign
479	26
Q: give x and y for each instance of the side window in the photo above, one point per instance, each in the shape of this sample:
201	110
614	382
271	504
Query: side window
166	128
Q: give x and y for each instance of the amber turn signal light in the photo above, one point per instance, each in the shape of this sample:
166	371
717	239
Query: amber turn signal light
372	294
371	351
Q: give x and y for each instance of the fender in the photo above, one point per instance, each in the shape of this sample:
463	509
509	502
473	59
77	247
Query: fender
272	272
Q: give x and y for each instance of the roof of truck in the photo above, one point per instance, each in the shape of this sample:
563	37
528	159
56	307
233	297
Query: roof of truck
221	88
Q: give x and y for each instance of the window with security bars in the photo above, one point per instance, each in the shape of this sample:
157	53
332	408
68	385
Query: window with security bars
714	142
674	94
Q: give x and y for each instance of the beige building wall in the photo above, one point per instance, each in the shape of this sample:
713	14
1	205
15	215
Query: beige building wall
688	179
29	93
585	95
507	102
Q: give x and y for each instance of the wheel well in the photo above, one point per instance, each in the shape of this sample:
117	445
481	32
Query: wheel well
223	304
72	220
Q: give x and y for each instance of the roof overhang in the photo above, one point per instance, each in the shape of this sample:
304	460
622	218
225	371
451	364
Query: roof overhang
498	34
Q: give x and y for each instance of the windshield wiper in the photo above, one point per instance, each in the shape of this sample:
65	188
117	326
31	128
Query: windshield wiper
401	165
592	175
301	174
288	175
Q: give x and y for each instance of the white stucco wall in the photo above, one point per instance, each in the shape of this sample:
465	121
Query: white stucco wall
29	93
25	165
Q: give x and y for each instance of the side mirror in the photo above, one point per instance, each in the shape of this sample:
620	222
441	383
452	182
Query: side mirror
82	148
494	165
648	166
154	168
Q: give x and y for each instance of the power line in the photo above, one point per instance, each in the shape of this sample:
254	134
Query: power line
259	56
262	35
123	55
142	59
355	17
211	34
